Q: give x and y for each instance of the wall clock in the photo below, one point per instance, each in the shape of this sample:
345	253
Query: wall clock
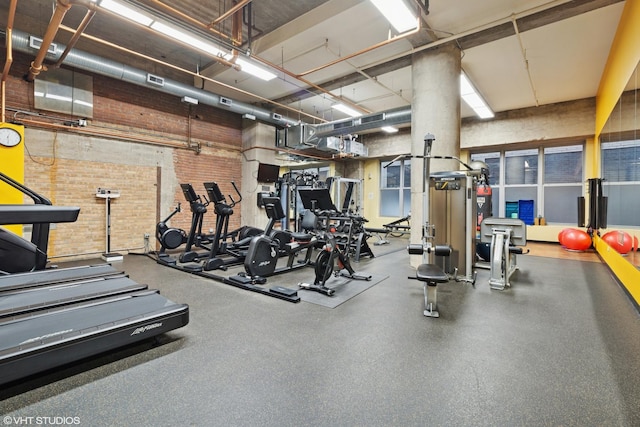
9	137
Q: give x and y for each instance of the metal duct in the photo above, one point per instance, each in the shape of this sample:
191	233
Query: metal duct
95	64
358	124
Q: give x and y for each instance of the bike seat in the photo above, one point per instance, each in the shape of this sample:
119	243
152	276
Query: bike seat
302	237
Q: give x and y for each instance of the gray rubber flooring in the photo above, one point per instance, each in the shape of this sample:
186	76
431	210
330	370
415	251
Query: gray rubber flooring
561	347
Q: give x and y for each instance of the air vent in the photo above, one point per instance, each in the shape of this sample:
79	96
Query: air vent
155	80
371	119
36	43
342	125
225	101
276	116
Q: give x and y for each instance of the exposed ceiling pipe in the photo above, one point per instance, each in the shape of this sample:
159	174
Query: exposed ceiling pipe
196	74
76	36
9	58
229	12
237	43
62	6
363	51
236	30
193	21
95	64
118	71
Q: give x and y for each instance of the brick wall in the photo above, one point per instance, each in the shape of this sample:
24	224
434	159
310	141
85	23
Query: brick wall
74	183
73	177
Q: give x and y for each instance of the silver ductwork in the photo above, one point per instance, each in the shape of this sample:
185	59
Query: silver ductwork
95	64
359	124
310	137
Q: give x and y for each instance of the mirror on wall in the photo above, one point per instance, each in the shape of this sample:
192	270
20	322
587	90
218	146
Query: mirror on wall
620	167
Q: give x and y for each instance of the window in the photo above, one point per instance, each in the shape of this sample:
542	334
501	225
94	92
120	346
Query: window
395	188
562	183
621	173
552	177
521	180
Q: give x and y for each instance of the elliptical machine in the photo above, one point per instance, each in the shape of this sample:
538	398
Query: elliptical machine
235	250
169	237
198	209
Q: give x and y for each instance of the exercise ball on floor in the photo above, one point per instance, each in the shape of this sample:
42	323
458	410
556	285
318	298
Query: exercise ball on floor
620	241
575	240
561	235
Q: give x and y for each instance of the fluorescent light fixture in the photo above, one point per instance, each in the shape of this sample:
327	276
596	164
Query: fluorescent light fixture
398	14
126	12
473	99
389	129
186	38
252	69
347	110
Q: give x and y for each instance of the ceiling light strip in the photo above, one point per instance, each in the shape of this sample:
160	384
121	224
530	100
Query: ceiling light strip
181	36
398	14
473	99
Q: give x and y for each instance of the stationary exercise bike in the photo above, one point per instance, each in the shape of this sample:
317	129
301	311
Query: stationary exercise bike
333	259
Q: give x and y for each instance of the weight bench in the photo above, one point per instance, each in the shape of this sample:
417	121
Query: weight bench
430	275
505	236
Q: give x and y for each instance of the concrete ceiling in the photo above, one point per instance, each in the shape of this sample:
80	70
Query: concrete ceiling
518	53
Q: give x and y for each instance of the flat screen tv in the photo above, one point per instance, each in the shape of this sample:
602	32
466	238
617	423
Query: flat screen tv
268	173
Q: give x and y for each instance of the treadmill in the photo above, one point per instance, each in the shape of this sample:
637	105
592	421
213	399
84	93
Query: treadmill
53	317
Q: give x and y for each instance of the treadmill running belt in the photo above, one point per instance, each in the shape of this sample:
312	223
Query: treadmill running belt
28	300
58	337
37	278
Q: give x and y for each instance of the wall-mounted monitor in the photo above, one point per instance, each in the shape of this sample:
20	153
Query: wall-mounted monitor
268	173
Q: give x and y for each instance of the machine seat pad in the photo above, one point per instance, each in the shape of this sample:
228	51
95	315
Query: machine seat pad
431	273
302	237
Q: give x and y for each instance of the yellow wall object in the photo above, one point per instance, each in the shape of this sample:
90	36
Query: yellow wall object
625	271
12	165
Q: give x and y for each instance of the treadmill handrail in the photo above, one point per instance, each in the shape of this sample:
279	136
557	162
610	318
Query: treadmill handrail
37	198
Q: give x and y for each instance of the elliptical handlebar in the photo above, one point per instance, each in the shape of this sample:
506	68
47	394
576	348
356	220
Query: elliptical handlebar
233	201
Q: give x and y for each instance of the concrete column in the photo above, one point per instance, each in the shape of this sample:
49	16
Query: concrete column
258	142
435	109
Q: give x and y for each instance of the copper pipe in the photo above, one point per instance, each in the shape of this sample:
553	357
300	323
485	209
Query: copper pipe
192	20
236	31
9	59
194	74
62	6
310	84
229	12
76	36
123	136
